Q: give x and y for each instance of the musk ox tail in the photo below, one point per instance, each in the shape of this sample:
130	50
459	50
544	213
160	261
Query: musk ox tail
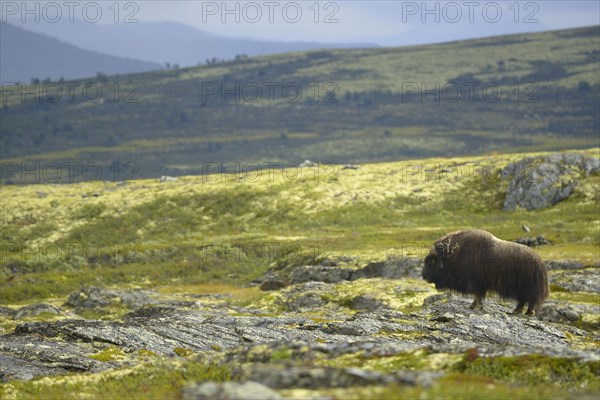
545	290
539	290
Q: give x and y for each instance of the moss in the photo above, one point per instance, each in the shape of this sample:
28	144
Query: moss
8	324
370	213
162	379
456	386
407	335
451	386
281	354
271	303
112	312
183	352
534	370
398	294
412	360
145	354
111	353
554	288
576	297
89	211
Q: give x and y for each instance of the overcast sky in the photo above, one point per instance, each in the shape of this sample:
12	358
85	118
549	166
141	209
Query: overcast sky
382	22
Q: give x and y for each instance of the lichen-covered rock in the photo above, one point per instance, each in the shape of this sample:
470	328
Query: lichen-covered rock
6	311
25	357
563	264
35	309
581	280
392	268
319	273
273	284
539	182
304	296
533	241
363	302
557	312
305	301
94	297
229	391
307	333
495	325
328	271
313	378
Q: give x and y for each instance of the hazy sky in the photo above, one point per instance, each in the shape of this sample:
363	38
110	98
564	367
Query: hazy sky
383	22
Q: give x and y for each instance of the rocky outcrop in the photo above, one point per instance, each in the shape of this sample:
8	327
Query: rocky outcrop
94	297
584	280
299	346
392	268
319	273
229	391
533	241
539	182
563	264
315	377
328	271
34	310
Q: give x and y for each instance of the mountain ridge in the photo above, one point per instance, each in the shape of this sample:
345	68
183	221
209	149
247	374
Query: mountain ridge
354	106
174	42
26	55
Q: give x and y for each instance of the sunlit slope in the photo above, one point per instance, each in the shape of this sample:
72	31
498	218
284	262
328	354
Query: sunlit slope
528	92
231	228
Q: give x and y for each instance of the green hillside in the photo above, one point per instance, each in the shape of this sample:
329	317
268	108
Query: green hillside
200	241
516	93
225	229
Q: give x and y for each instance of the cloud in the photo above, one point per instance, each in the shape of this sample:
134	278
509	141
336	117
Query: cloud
372	21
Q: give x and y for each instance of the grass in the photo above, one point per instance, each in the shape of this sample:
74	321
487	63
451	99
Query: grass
535	370
160	379
453	386
201	231
410	361
213	235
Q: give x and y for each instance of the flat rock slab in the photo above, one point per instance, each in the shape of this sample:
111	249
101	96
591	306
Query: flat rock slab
455	320
50	348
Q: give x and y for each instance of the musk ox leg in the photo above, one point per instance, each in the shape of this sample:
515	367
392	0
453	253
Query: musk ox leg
530	309
478	302
519	309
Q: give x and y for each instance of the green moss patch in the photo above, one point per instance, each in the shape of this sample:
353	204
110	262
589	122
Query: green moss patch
111	353
413	360
162	379
534	370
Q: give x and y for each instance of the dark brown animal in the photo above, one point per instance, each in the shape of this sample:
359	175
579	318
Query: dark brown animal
477	262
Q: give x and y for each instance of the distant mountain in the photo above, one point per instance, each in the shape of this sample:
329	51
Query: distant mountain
25	55
171	42
511	93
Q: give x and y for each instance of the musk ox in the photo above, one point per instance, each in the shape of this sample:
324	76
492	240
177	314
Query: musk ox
476	262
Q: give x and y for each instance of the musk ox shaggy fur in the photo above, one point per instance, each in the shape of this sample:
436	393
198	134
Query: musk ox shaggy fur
476	262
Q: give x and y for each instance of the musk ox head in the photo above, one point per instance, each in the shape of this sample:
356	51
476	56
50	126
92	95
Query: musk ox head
433	269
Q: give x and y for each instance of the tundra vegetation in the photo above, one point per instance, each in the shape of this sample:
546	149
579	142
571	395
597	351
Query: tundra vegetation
203	240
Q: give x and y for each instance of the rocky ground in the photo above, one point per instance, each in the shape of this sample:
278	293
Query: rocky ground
337	326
